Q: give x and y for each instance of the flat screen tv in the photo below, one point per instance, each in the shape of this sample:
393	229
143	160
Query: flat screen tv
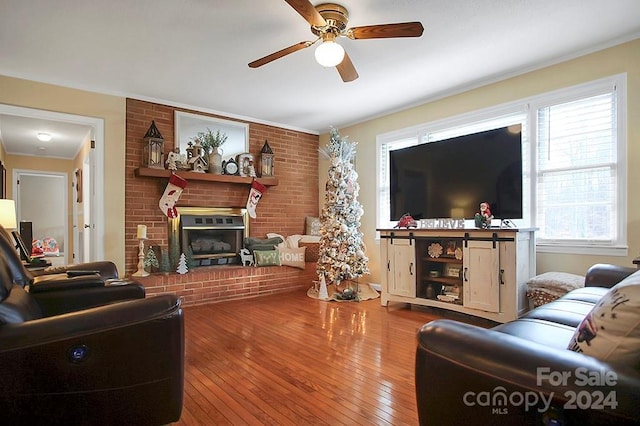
450	178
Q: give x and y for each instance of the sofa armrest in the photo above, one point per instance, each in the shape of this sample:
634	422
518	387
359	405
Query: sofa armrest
122	363
85	322
606	275
459	366
58	282
65	300
105	268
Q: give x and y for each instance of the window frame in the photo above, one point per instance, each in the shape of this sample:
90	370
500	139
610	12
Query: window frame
618	244
528	109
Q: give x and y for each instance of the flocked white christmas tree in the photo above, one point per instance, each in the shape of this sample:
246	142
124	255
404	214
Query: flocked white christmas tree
342	252
182	265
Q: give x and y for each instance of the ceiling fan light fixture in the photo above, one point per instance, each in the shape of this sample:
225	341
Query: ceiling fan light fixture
329	53
44	137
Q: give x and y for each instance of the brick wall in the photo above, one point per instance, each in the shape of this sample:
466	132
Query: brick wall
282	208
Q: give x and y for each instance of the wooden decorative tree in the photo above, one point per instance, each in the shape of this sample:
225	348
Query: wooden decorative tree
150	260
182	265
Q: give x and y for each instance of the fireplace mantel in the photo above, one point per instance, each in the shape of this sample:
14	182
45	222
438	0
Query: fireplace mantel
163	173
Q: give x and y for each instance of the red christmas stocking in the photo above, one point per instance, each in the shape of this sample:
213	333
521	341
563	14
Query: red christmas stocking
171	195
257	189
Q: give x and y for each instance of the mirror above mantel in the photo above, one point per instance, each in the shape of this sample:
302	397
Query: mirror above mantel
187	126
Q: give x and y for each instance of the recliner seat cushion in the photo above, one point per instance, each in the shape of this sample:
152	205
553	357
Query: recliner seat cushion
547	333
562	311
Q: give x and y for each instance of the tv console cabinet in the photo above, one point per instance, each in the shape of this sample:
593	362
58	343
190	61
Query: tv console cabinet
480	272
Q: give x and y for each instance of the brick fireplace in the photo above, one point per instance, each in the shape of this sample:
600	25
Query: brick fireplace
282	209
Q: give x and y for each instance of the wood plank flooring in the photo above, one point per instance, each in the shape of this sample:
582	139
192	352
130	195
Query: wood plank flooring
291	360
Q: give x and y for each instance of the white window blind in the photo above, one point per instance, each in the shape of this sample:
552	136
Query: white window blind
577	171
384	197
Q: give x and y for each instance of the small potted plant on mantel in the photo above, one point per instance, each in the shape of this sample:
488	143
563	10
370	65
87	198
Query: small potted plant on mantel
211	144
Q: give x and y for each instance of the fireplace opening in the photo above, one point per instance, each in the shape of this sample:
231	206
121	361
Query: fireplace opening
214	235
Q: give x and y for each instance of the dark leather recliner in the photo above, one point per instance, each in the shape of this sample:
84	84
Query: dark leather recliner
121	363
471	375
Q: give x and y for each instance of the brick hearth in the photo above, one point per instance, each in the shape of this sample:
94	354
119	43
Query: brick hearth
218	283
282	209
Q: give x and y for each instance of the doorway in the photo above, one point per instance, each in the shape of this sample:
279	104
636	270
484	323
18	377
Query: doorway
95	175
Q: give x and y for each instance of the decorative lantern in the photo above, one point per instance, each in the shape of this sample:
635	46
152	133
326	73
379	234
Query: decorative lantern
266	160
153	148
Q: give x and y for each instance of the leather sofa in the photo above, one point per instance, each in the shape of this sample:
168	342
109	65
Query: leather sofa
521	372
121	363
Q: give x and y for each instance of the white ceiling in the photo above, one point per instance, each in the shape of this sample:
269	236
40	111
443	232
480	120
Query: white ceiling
19	136
194	53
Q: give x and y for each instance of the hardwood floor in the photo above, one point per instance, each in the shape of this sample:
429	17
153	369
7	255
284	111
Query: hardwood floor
291	360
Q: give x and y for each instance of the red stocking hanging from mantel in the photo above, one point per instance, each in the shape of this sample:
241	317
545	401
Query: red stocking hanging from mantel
257	189
171	195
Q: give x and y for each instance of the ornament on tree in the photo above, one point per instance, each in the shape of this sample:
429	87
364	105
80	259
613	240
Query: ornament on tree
257	189
342	252
171	196
182	265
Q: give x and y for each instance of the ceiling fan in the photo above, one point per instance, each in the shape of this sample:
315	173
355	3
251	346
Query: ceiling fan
329	21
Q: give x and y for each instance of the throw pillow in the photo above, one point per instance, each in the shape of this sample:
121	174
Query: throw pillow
271	235
313	250
611	331
294	257
262	243
312	225
266	257
292	240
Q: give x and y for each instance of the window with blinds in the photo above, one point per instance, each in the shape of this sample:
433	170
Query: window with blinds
577	171
574	164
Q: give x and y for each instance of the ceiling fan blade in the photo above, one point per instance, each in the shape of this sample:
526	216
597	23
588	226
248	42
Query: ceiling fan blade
403	29
279	54
346	69
308	12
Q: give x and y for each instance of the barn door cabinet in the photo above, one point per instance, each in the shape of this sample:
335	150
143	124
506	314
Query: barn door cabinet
472	271
400	266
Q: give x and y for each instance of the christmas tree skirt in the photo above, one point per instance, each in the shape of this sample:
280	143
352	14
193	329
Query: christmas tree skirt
365	292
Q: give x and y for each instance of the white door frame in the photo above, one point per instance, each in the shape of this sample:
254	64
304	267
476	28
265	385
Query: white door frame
88	191
97	171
